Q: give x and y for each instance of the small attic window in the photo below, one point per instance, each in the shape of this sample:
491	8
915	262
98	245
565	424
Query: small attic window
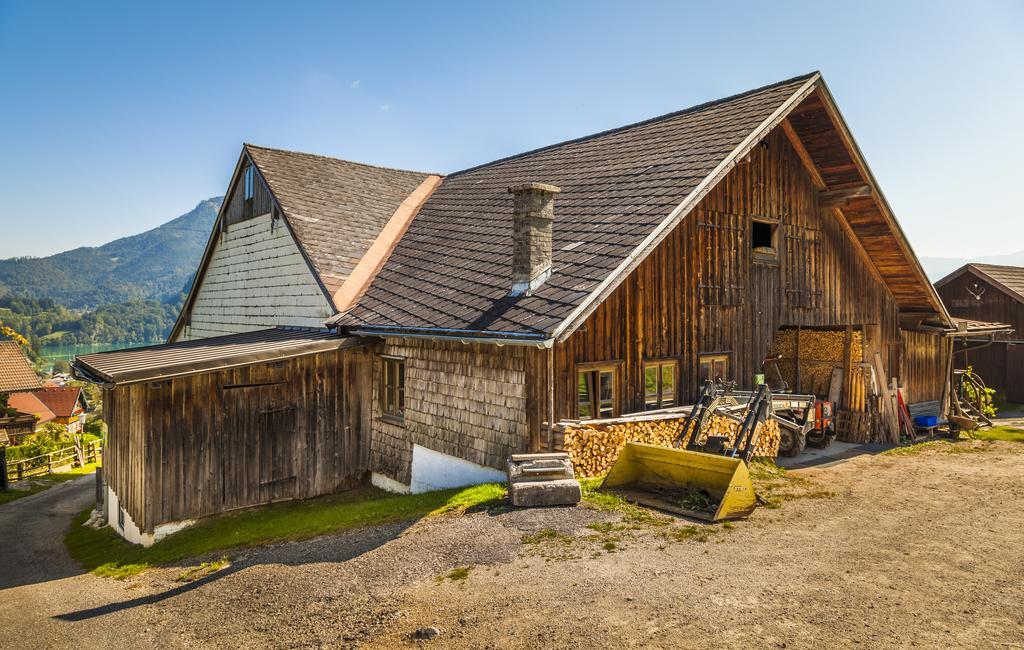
250	182
764	238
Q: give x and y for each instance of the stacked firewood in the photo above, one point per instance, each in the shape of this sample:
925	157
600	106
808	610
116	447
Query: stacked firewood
593	446
820	352
767	440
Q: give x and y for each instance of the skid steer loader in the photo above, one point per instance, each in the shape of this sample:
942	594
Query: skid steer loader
704	477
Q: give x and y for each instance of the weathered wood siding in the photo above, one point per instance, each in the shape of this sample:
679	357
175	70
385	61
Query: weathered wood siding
464	400
256	278
702	290
923	364
237	207
211	442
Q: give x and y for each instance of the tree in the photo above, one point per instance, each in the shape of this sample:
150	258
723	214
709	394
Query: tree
11	333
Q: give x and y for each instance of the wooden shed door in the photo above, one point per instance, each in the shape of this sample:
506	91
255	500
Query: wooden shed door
1015	373
277	439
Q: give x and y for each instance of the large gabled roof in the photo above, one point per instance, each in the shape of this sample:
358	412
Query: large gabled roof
16	373
622	191
1009	279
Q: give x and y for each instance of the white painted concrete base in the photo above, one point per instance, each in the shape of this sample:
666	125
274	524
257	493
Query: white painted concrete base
388	484
130	531
432	470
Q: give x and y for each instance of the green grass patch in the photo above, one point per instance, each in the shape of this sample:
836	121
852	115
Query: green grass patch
37	484
688	533
546	535
204	569
458	574
964	444
1004	434
104	553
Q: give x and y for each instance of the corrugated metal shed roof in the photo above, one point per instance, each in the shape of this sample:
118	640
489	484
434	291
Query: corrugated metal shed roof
15	372
216	353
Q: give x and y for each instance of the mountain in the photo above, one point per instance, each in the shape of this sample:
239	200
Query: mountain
155	265
939	267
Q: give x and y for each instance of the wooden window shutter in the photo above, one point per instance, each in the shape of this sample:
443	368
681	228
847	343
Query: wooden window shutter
724	258
803	263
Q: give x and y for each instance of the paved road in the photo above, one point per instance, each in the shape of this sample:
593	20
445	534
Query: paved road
40	585
32	533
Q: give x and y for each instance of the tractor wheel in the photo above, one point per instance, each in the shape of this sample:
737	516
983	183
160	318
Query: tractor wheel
791	443
820	439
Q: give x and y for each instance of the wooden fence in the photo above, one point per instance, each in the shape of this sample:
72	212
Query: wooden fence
69	456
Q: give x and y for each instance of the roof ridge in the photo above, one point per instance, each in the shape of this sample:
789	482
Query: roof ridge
334	159
997	266
650	120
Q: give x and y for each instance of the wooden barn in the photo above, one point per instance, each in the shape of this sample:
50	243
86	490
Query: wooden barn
591	278
995	294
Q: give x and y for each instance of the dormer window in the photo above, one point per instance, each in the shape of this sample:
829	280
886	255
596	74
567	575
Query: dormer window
250	182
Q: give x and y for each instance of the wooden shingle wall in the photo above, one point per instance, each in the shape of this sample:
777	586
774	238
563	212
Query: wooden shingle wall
207	443
256	279
465	400
703	290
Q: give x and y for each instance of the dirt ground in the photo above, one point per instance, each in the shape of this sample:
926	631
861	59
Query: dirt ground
921	549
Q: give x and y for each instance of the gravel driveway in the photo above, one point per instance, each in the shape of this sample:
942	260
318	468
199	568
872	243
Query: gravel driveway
881	551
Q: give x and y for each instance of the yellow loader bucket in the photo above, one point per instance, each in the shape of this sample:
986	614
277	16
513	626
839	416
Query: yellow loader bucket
691	483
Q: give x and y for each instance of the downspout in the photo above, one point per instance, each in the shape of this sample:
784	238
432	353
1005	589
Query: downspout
551	398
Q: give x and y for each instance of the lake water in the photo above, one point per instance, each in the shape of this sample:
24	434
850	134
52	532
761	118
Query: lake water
54	353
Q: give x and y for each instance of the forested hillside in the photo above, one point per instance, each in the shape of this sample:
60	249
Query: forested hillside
155	265
46	322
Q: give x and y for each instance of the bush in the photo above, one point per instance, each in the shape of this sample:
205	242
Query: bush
970	393
96	428
50	438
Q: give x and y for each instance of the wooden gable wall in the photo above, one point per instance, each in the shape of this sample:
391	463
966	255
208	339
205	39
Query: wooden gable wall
255	276
702	291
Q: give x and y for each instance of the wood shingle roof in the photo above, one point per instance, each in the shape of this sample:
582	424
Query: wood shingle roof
336	208
451	270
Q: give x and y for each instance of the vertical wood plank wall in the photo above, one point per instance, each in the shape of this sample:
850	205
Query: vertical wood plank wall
211	442
923	366
701	290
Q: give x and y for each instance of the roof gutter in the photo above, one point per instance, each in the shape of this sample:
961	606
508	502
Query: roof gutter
464	336
578	315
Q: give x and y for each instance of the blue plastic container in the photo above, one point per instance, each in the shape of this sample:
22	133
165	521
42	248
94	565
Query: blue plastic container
926	420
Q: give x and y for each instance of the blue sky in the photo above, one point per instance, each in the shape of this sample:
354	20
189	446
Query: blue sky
117	117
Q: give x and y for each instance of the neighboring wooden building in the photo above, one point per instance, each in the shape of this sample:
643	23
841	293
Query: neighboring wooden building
987	292
594	277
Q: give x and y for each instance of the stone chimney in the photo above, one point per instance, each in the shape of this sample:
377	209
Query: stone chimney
532	216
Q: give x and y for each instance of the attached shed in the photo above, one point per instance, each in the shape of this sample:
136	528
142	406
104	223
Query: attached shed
203	427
